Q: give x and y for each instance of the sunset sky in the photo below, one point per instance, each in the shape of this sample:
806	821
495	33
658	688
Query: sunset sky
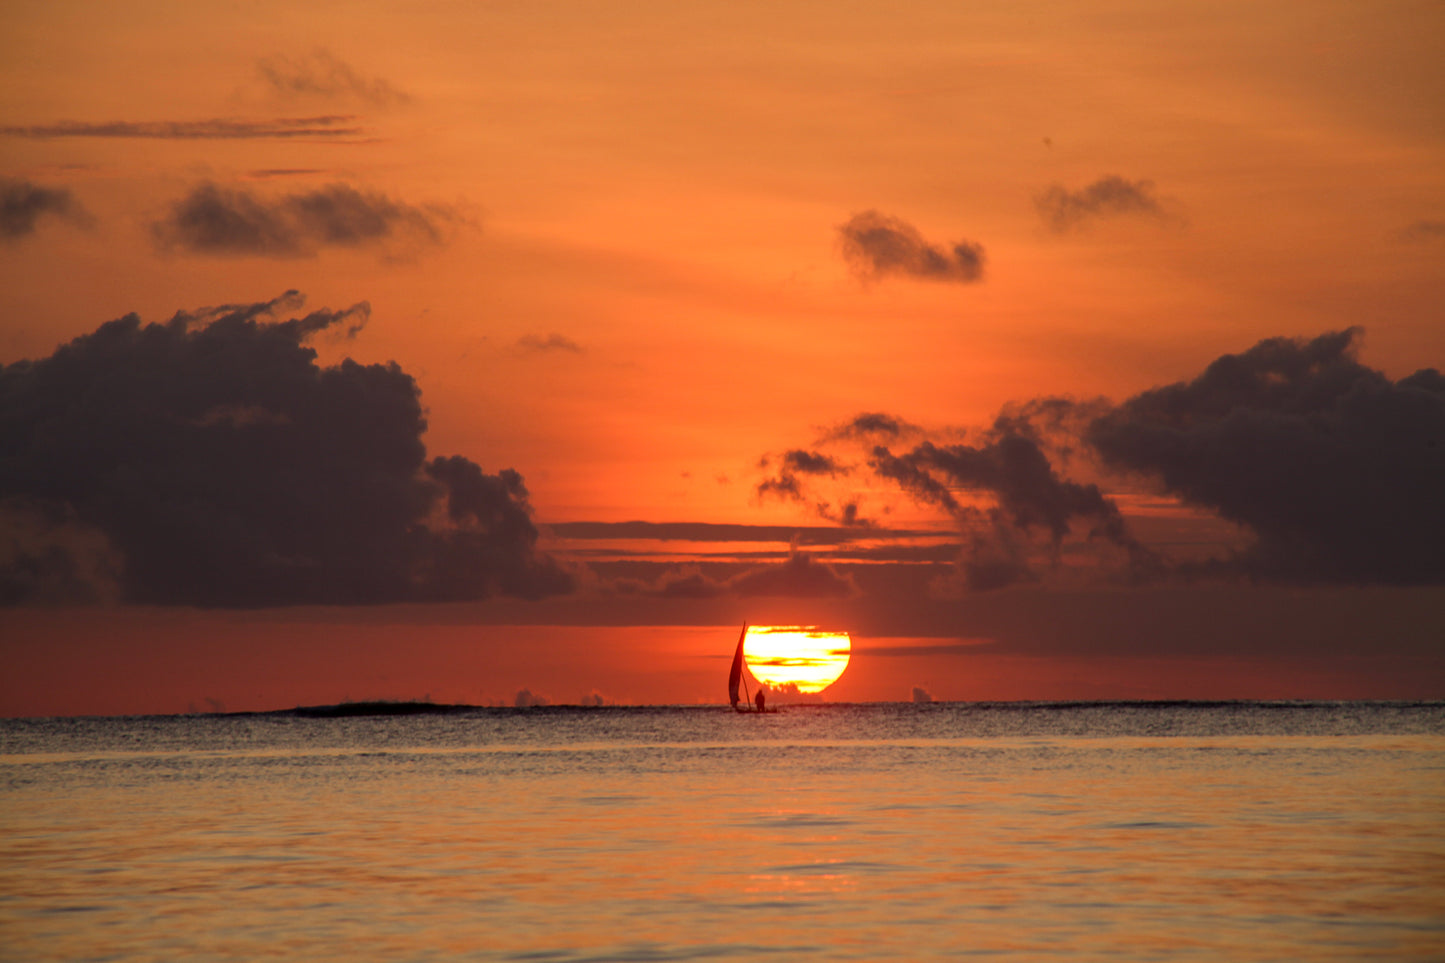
1053	350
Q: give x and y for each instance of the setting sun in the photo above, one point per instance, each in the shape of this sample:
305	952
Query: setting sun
782	656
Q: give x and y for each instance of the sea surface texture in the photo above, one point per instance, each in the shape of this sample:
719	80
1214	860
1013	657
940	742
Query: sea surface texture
1238	831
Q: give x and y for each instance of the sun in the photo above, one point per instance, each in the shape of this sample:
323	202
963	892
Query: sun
782	656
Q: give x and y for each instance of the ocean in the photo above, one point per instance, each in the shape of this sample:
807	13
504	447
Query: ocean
1120	831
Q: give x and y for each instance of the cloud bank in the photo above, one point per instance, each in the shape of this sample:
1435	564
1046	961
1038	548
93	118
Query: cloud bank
210	461
214	220
877	246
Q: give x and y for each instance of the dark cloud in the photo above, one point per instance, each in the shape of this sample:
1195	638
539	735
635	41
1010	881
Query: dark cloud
215	220
1111	196
326	126
794	463
877	246
871	425
1423	231
1337	470
321	74
23	204
1324	471
221	466
921	694
1022	493
549	343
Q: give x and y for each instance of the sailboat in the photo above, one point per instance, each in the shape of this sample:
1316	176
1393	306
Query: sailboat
735	676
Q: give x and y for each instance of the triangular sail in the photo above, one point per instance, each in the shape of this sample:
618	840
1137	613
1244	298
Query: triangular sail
736	675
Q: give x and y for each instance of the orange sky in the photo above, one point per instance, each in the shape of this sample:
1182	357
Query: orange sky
607	242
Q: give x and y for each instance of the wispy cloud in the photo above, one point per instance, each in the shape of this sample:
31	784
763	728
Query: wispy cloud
221	221
876	246
1422	232
325	126
321	74
1110	196
23	204
540	344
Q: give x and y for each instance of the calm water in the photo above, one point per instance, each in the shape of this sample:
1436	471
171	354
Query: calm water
881	832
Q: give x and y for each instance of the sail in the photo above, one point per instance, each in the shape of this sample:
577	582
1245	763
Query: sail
735	676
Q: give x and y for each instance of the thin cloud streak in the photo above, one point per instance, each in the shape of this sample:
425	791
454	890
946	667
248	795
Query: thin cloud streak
324	126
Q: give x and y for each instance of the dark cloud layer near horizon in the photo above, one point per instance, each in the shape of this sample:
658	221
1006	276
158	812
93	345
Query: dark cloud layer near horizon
1110	196
877	246
214	220
210	461
23	204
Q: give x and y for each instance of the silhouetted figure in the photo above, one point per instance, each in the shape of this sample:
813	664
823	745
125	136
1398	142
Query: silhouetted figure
760	700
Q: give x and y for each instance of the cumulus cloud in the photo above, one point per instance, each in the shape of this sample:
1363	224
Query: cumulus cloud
219	465
220	221
321	74
877	246
1337	470
23	204
1332	470
1111	196
324	127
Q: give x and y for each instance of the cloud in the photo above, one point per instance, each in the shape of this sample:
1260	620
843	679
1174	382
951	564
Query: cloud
221	466
1110	196
877	246
801	576
872	426
550	343
794	463
325	126
527	700
218	221
23	204
921	694
713	532
1422	232
1337	470
322	75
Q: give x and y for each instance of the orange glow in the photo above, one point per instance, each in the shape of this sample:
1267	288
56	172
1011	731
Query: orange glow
782	656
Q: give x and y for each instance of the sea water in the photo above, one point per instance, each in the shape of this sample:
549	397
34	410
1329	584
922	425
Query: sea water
1238	831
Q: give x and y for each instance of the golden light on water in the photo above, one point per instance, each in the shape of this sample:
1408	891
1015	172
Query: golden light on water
802	655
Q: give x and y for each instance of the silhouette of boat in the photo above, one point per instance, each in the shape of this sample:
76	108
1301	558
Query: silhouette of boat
735	676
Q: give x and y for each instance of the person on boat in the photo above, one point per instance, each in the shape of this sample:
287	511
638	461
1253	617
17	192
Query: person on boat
761	699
